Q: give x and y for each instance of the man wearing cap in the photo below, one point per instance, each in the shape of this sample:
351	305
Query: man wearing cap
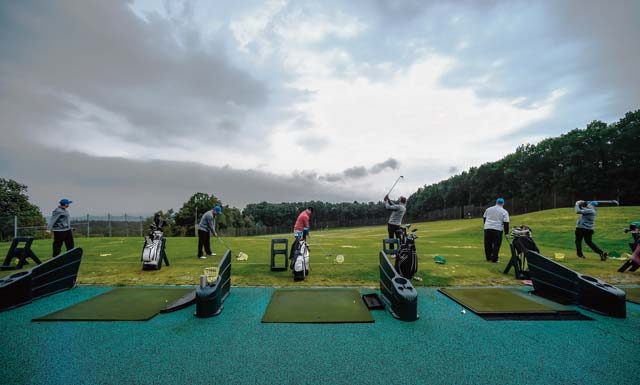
60	224
584	228
395	219
207	227
496	223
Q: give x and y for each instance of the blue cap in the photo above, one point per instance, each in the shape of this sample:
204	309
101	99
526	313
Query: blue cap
218	209
500	201
65	202
593	203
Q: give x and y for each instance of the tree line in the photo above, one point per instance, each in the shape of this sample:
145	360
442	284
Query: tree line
601	161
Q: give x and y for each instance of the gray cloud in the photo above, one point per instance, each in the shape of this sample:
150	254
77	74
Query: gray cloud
88	63
117	185
359	172
452	170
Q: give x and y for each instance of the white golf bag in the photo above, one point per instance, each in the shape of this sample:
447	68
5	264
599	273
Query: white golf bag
153	251
300	260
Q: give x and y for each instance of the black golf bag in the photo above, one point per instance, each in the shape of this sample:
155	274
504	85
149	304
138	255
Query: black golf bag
299	259
153	252
633	263
406	263
522	242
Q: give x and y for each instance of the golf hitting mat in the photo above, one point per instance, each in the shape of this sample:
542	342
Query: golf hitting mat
120	304
633	294
316	306
509	304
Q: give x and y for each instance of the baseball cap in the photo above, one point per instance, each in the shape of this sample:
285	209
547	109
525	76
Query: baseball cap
500	201
218	209
65	201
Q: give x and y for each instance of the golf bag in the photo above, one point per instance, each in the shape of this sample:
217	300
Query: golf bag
522	242
153	252
633	263
299	259
406	263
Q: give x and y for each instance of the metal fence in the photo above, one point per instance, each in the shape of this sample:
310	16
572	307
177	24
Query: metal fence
85	226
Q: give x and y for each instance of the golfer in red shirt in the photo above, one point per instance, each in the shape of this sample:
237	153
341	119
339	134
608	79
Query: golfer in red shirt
301	228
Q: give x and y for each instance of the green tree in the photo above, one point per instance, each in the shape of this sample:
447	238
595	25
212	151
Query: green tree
15	202
198	204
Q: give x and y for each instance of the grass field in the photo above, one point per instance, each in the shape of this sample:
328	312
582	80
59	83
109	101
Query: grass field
116	261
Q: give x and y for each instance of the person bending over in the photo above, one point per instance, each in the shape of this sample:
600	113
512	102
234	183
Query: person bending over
206	228
496	223
395	219
302	225
584	228
60	224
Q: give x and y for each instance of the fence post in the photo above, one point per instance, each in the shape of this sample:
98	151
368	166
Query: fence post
88	227
195	224
15	226
141	225
126	226
109	224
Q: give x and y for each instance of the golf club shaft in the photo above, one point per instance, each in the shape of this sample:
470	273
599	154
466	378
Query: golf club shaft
394	185
610	202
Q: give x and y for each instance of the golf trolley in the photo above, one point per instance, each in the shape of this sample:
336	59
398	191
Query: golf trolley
633	263
406	261
521	242
153	251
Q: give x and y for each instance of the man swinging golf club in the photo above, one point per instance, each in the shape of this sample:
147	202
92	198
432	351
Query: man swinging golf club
395	219
60	224
584	228
496	222
207	227
302	225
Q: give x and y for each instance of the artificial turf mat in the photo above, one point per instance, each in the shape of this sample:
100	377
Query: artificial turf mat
502	303
316	306
120	304
633	294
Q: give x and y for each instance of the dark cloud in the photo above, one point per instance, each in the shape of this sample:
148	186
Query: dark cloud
359	172
390	163
92	62
99	184
452	170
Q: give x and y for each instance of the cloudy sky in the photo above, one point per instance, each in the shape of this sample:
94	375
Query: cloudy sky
134	106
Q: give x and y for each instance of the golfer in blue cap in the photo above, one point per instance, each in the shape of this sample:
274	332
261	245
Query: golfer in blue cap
496	223
206	228
60	224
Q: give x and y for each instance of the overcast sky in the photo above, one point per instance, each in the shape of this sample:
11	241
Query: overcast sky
134	106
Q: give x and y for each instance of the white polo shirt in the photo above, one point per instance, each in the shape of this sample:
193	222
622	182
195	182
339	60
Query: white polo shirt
495	216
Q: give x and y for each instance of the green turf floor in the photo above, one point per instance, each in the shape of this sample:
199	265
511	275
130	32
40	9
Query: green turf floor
120	304
633	294
444	346
494	300
316	306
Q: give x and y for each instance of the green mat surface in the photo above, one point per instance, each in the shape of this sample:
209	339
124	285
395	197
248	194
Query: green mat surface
633	294
500	301
120	304
316	306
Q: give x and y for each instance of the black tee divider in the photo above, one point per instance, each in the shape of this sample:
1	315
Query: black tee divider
398	293
561	284
210	297
57	274
19	253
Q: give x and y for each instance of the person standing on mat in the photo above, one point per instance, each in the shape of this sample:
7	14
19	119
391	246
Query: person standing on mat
584	228
60	224
395	219
206	228
302	225
496	223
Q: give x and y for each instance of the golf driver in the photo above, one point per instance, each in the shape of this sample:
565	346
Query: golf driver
321	248
394	185
610	202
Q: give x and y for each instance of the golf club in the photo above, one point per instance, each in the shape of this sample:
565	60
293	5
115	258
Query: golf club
394	185
321	248
610	202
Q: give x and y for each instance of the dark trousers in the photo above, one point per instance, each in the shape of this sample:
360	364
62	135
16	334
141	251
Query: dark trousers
204	241
492	243
60	237
393	233
585	234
